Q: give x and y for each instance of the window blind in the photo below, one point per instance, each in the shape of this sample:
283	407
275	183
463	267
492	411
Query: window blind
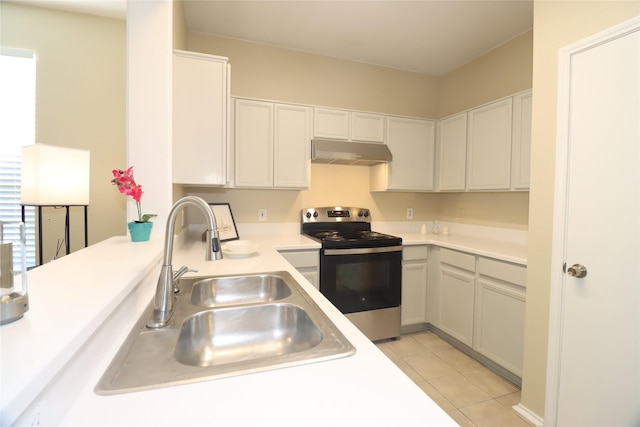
17	128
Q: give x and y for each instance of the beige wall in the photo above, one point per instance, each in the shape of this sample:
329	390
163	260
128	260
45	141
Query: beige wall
263	71
330	185
80	102
499	73
268	72
556	24
180	31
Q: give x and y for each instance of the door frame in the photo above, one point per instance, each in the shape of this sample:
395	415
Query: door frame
558	244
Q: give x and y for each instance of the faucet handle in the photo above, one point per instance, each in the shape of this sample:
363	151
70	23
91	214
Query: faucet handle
178	274
182	271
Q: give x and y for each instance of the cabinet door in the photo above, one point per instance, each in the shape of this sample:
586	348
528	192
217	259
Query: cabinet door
367	127
414	292
200	105
306	262
489	146
253	143
456	300
412	143
312	275
452	153
330	123
499	323
521	141
292	146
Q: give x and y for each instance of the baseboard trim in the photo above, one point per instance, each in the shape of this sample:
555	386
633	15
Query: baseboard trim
527	415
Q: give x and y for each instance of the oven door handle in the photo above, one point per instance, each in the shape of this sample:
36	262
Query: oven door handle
360	251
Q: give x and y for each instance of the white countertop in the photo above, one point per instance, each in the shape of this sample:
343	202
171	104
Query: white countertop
83	305
502	244
498	249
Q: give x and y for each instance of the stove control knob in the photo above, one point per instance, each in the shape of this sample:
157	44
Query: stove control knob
308	215
360	213
366	213
315	214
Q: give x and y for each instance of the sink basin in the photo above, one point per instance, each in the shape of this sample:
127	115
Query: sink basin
225	326
234	290
211	337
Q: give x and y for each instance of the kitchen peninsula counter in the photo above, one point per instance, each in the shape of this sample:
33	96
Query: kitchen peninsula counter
84	305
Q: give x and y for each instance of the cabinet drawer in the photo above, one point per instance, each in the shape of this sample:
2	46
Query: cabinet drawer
301	259
414	252
504	271
458	259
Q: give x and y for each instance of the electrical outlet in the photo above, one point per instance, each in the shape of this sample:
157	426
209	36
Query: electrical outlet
409	213
262	214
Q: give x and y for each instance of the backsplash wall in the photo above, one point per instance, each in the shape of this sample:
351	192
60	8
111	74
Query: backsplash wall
349	186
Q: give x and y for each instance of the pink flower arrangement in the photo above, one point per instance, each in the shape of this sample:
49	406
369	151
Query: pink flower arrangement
127	186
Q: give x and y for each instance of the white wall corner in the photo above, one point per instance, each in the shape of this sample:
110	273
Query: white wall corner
149	105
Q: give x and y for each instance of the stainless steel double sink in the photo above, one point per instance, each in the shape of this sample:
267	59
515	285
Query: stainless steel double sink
225	326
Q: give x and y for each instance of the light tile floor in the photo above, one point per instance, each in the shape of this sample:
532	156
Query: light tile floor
468	391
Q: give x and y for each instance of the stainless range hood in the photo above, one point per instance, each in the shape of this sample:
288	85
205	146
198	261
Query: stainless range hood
349	153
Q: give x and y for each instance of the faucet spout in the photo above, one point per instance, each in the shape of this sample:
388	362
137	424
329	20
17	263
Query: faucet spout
163	300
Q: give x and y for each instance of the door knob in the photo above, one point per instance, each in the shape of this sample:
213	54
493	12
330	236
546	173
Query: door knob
577	270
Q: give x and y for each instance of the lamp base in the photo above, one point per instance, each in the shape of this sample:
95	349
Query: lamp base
13	306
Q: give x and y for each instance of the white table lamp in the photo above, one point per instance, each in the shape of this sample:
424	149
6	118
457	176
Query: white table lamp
58	177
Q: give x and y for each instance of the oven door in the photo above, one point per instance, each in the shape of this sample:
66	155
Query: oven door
362	279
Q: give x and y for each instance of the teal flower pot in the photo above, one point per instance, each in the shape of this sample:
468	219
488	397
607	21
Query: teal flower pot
140	231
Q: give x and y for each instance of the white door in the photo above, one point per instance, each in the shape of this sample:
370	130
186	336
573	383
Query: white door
595	320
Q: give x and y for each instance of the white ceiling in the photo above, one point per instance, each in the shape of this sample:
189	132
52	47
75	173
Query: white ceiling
427	36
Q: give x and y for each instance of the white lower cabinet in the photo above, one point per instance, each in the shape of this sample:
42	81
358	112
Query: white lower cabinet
500	309
480	302
456	288
414	285
307	262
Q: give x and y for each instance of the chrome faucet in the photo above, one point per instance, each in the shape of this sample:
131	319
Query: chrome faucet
163	301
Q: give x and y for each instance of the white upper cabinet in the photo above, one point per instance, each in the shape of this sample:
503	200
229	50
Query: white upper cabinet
452	153
292	146
253	143
489	135
412	144
367	127
348	125
331	123
521	157
200	118
272	144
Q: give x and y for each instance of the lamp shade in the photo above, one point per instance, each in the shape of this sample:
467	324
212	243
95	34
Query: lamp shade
53	175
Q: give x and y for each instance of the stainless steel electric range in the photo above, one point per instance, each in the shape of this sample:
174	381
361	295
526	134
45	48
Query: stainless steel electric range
360	269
